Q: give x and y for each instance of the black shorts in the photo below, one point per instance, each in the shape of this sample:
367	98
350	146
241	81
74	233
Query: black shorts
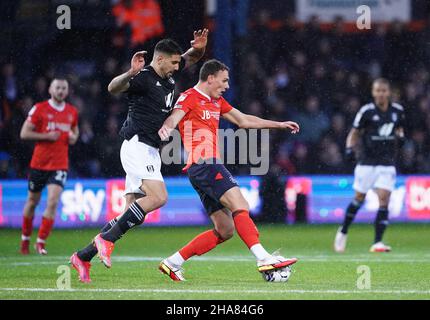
211	181
38	179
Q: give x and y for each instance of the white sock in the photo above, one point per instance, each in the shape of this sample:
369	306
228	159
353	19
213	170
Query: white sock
259	252
24	238
40	240
176	259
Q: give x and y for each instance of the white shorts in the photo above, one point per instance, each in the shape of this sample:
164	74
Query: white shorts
140	162
374	177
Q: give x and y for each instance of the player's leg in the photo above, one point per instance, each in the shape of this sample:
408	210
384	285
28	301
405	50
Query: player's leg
155	197
80	260
201	244
381	221
364	178
48	218
384	185
33	199
248	232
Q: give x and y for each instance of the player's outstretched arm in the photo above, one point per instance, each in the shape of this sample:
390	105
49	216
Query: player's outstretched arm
198	47
121	83
352	142
170	124
28	133
248	121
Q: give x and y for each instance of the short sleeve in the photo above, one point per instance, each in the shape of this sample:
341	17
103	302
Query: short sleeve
360	119
184	102
225	106
34	115
138	82
402	119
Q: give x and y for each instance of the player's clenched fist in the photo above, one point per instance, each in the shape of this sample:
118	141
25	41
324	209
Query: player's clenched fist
137	62
164	133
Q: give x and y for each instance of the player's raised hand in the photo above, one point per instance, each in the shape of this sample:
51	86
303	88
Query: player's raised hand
164	133
53	136
137	62
200	39
293	126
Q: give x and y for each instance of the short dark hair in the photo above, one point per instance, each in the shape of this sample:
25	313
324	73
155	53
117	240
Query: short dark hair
211	67
168	46
59	78
382	81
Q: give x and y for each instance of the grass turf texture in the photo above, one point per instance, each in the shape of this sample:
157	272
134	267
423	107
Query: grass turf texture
229	271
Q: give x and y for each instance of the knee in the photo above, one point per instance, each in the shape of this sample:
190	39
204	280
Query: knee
226	232
32	202
360	197
160	200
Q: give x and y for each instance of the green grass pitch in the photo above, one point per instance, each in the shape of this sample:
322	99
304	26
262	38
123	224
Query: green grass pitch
229	271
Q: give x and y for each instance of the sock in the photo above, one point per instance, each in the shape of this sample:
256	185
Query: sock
351	212
45	229
27	227
90	251
132	217
201	244
246	228
176	259
381	223
259	252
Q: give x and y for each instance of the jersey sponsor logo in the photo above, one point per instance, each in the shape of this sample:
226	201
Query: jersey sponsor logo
386	130
169	101
172	81
206	115
150	168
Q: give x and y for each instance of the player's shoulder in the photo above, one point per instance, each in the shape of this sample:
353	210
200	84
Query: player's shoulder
398	107
188	95
70	107
367	108
41	104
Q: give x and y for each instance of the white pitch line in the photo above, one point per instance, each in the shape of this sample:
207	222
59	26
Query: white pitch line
215	291
122	259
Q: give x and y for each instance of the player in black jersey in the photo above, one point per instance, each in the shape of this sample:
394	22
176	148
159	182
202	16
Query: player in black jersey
379	126
150	92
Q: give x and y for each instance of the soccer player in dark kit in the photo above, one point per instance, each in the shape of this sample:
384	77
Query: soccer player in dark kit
198	111
379	125
150	92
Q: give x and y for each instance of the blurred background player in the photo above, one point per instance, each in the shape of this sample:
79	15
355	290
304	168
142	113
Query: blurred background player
200	108
53	124
380	127
150	92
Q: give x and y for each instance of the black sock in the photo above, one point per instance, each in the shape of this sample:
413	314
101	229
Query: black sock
351	211
90	251
132	217
381	223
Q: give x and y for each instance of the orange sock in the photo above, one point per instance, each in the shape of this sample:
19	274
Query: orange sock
45	228
201	244
27	226
246	228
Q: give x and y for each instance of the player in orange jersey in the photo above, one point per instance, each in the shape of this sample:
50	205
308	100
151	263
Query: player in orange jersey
197	112
53	125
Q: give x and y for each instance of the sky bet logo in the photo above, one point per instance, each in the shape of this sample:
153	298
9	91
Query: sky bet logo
86	205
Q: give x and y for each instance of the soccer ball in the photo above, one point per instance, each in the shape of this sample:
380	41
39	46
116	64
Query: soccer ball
278	275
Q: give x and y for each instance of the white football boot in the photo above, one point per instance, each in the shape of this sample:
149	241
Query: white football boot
340	241
275	261
380	247
174	272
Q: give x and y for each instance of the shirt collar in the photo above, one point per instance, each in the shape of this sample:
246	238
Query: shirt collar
202	93
58	107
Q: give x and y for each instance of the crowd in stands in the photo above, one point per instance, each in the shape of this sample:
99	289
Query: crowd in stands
319	78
